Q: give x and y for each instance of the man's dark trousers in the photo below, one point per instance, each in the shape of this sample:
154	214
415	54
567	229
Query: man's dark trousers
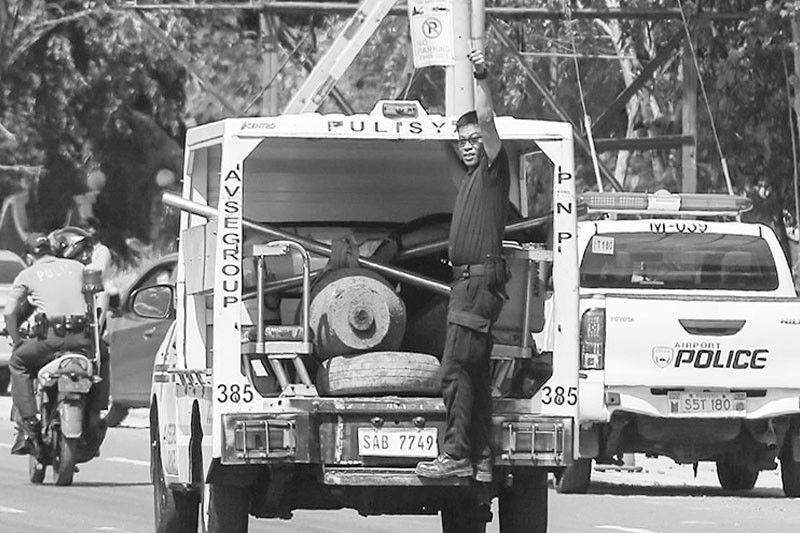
466	369
30	357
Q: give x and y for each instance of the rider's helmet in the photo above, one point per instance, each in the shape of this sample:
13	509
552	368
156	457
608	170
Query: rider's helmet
37	244
72	242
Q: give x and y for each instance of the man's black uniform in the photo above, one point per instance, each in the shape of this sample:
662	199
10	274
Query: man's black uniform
476	298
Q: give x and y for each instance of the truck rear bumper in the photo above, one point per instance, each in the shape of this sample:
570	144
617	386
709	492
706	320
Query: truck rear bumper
325	431
384	477
761	403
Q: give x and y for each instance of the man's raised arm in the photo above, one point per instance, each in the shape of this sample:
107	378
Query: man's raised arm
484	107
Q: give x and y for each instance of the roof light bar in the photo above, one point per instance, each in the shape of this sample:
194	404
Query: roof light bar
664	202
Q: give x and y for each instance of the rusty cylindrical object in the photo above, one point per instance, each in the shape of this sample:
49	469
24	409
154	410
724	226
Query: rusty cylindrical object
354	310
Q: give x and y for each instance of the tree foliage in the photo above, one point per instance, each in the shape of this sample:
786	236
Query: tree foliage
87	84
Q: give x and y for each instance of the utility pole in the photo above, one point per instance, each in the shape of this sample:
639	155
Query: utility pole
795	22
689	120
268	26
459	96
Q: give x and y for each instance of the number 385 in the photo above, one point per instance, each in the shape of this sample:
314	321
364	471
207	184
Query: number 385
559	395
234	393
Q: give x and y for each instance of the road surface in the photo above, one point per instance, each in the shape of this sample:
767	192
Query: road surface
112	494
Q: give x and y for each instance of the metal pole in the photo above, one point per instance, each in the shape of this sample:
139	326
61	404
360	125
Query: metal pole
311	245
412	253
513	13
437	246
477	23
459	88
269	42
689	122
260	304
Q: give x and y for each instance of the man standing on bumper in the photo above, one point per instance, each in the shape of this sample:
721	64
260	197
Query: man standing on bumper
478	290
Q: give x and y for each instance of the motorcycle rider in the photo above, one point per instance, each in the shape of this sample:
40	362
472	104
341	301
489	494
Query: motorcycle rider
54	287
76	243
81	244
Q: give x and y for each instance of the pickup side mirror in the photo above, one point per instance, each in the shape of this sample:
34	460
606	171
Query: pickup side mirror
153	302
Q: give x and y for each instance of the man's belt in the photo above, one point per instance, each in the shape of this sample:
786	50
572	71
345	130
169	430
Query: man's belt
68	324
60	325
468	271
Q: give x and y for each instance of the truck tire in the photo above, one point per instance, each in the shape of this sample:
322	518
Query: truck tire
5	379
735	476
174	512
228	508
523	505
382	373
116	414
465	515
575	478
790	476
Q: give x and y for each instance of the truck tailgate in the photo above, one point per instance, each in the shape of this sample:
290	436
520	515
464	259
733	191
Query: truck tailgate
720	342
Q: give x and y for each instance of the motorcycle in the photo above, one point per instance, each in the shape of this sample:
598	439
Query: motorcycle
63	390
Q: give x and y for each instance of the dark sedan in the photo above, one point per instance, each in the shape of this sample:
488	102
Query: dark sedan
133	342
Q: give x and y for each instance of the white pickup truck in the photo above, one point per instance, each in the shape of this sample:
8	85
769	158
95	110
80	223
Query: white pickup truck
689	339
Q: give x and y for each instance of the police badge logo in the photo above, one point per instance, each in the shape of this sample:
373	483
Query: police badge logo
662	356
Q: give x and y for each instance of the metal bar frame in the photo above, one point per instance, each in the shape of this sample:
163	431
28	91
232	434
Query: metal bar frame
310	245
661	142
645	76
551	101
345	8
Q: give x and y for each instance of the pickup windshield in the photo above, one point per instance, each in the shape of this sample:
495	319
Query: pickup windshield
678	261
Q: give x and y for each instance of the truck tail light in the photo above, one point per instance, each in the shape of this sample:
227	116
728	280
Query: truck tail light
593	339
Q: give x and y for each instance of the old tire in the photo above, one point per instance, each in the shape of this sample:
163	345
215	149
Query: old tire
381	373
735	476
36	470
790	476
575	478
65	460
5	379
116	414
174	512
228	508
523	505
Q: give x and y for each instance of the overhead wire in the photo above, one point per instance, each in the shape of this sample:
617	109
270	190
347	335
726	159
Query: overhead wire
278	71
702	84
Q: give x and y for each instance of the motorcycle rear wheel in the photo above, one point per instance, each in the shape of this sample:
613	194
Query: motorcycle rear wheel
65	460
36	470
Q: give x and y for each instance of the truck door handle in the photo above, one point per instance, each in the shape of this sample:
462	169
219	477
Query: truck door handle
711	327
149	333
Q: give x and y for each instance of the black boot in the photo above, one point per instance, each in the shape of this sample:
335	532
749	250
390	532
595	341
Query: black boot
29	439
97	428
444	466
484	470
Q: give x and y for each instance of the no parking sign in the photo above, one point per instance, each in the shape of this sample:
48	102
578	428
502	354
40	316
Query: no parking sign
431	32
